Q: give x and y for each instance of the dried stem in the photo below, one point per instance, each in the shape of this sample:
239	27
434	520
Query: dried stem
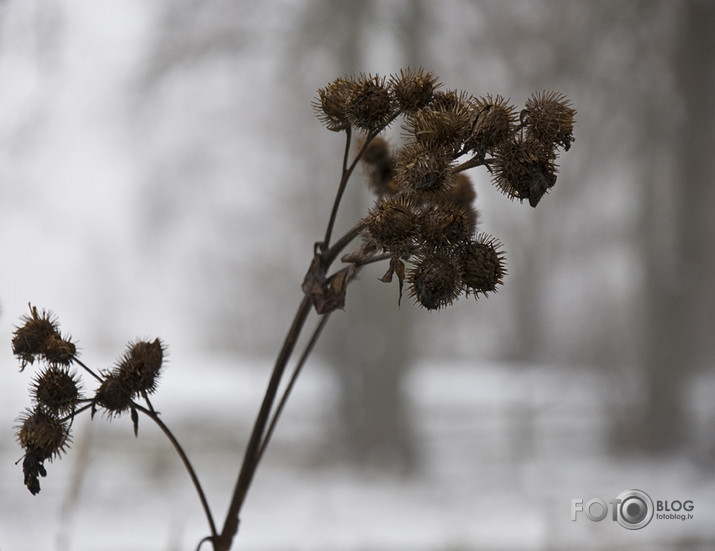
331	254
291	383
341	188
248	467
260	436
154	416
87	369
475	161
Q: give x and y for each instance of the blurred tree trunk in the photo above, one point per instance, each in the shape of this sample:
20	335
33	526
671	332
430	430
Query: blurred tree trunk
369	342
679	301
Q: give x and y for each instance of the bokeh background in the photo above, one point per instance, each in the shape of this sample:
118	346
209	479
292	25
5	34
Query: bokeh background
162	174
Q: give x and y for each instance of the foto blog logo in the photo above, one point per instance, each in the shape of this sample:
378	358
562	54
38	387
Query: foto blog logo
632	509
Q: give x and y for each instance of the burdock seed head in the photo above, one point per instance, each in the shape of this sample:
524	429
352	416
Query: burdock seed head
423	172
443	126
42	434
369	107
331	104
413	90
39	337
435	281
56	390
524	169
140	366
445	224
380	165
493	122
30	340
113	395
549	118
483	265
392	225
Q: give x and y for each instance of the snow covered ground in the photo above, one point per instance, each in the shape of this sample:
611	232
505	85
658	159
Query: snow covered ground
504	450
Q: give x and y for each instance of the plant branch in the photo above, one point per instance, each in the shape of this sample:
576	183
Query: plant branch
330	255
345	176
372	259
245	475
291	383
87	369
475	161
204	503
346	173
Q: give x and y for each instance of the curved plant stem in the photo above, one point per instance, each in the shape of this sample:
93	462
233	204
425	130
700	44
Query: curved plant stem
341	189
87	369
248	467
473	162
347	172
291	383
331	254
261	433
204	503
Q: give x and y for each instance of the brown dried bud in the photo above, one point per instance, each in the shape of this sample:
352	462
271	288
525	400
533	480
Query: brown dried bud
60	350
140	366
42	434
483	265
446	224
422	172
413	90
330	105
56	390
30	340
492	123
444	125
369	107
380	167
452	100
114	395
462	195
435	281
549	118
524	169
392	225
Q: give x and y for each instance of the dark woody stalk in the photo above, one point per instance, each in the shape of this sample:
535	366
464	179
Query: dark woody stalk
423	224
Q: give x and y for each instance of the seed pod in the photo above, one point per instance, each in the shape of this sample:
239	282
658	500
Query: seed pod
549	118
440	130
435	281
492	123
413	90
380	167
114	395
369	106
42	434
444	225
331	104
60	350
56	390
30	340
392	225
483	265
462	195
140	366
524	169
422	172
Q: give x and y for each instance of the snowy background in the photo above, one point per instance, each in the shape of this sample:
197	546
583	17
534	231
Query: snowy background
162	174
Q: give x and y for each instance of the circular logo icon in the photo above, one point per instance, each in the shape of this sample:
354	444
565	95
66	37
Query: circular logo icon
635	509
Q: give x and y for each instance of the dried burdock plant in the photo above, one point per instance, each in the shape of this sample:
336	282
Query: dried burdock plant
423	225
